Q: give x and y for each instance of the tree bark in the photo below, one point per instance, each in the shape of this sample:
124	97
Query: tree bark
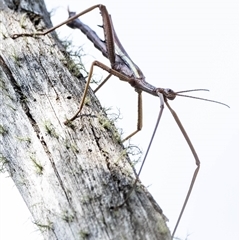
70	177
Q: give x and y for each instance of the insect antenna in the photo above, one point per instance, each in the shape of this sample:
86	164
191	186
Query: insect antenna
199	98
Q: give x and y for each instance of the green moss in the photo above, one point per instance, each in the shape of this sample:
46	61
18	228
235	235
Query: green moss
23	21
109	126
73	59
3	131
44	227
16	57
73	147
70	124
84	234
3	162
50	129
68	217
39	168
24	139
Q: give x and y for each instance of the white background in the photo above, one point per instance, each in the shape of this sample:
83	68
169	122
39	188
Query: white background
180	45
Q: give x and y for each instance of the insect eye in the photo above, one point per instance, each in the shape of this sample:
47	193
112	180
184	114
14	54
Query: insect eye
170	94
168	90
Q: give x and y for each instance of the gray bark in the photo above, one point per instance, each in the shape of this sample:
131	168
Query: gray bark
69	176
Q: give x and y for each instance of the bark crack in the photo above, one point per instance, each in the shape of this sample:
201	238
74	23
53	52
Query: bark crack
44	70
104	153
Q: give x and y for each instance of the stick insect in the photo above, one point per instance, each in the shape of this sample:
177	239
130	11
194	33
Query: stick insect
126	70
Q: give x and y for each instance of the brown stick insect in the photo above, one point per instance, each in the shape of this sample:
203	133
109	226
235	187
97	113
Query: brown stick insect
126	70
